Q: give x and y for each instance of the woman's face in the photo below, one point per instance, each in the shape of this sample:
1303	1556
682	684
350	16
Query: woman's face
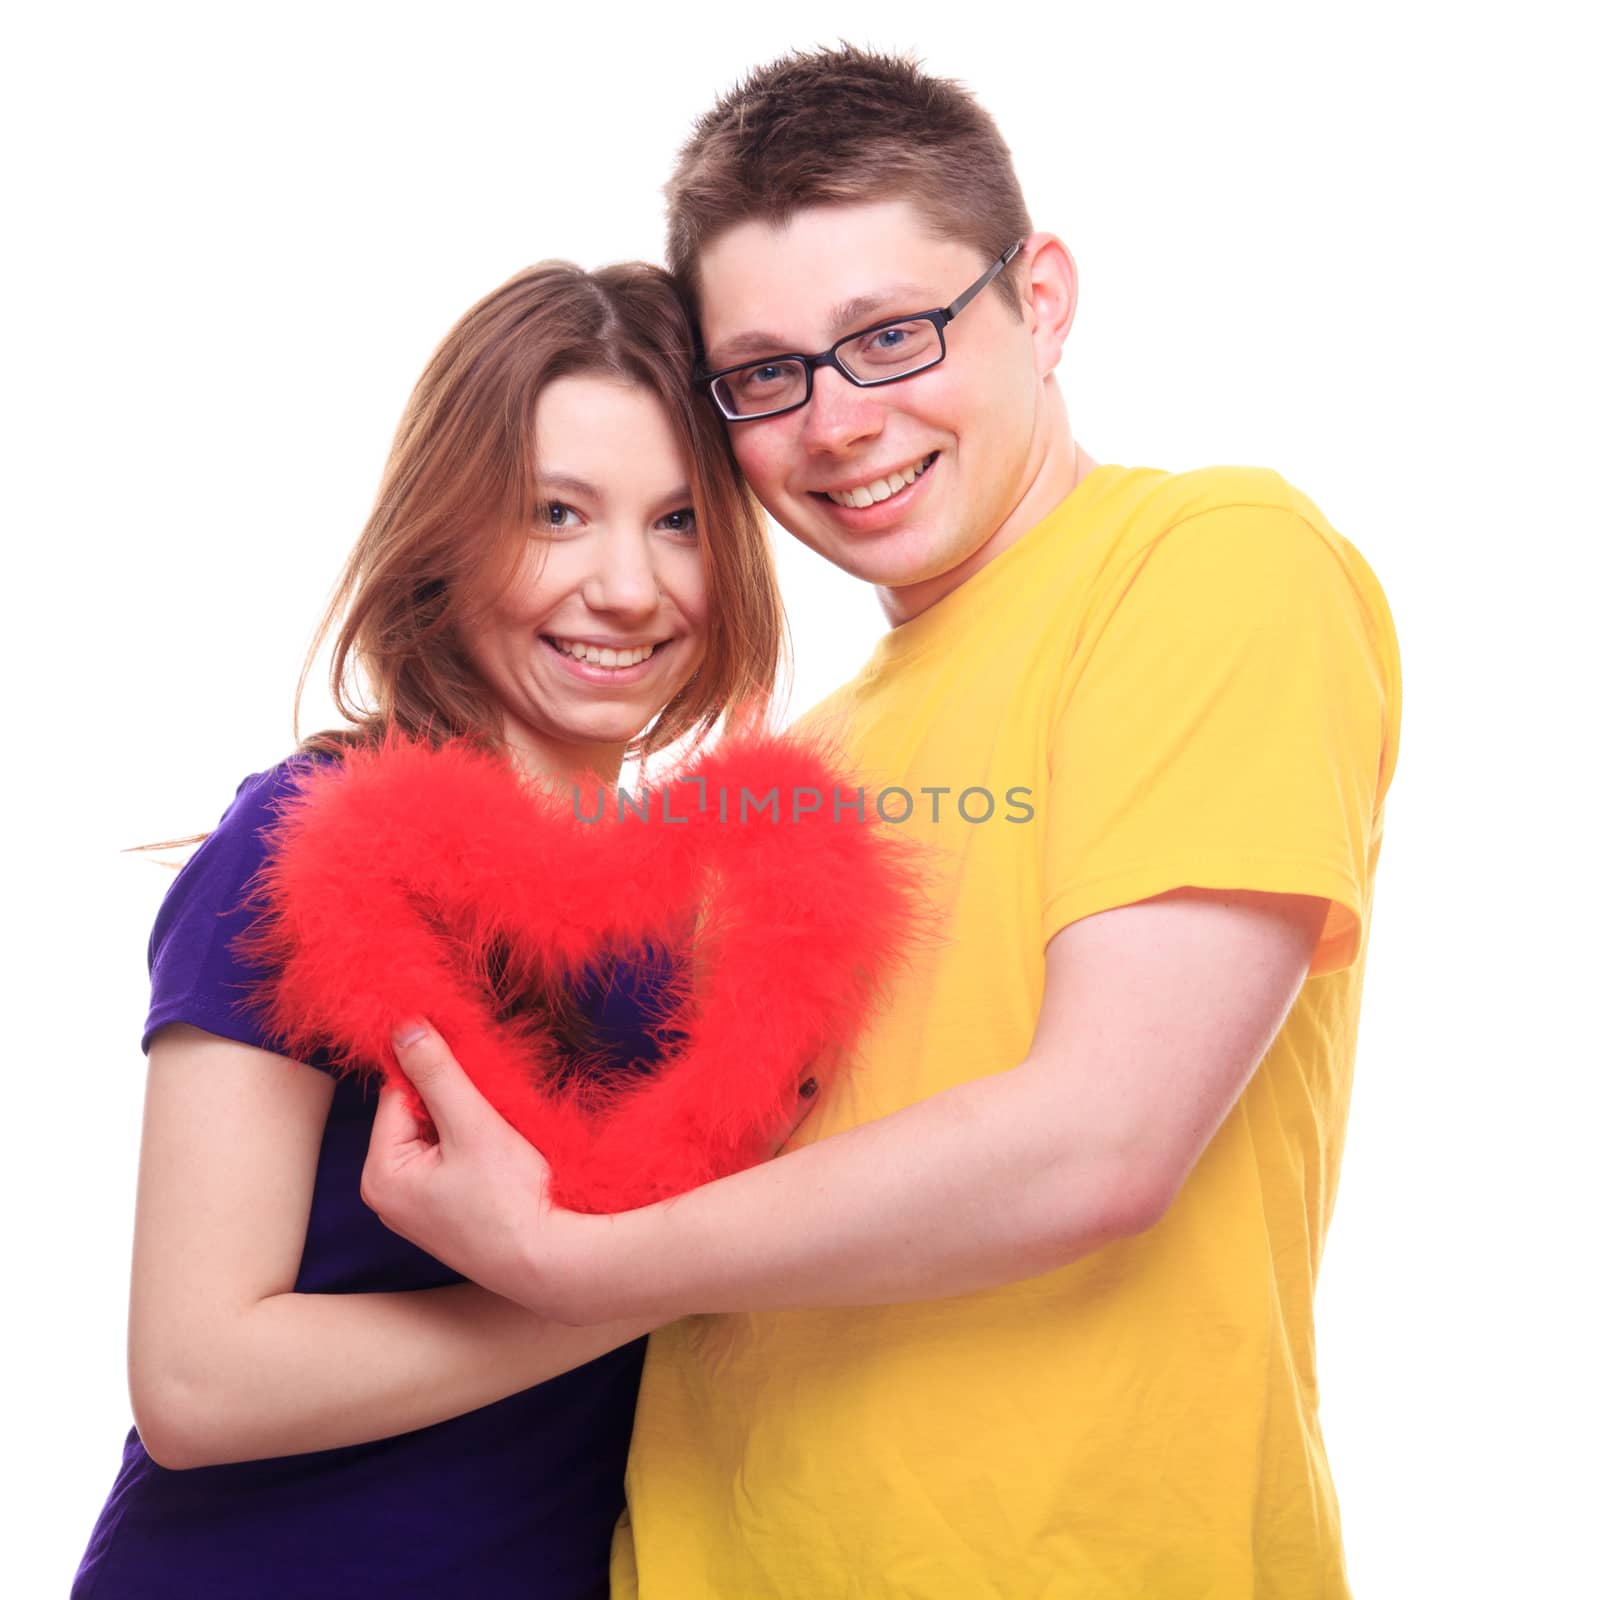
604	619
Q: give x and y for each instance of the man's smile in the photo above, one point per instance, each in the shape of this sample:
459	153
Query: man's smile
880	486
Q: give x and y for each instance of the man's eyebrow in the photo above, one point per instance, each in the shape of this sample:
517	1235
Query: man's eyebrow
901	296
747	344
844	317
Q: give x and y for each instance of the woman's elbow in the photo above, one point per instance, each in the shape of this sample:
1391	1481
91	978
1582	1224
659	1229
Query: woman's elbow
165	1423
176	1417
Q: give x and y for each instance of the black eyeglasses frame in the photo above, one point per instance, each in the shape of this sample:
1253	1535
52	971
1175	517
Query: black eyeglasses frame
940	317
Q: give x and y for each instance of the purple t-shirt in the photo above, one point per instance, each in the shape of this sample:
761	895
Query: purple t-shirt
516	1499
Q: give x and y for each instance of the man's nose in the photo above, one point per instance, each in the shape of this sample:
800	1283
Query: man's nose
839	413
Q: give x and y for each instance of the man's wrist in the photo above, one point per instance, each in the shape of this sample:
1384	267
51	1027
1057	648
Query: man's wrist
583	1269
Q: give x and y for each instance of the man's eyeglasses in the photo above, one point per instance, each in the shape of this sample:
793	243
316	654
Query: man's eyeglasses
884	353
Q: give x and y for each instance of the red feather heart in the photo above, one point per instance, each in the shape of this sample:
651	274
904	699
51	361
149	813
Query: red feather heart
408	881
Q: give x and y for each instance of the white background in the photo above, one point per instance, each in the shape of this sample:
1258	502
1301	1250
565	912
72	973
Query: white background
1343	241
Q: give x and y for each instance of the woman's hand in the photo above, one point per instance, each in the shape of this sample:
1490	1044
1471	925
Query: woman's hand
471	1191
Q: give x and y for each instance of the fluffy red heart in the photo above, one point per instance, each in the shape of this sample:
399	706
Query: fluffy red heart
408	881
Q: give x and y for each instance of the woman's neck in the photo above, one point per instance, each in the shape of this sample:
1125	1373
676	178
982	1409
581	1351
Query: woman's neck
554	765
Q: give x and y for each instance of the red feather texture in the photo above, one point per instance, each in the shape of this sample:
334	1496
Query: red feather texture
408	881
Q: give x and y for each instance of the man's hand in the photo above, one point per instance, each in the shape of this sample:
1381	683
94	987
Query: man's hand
476	1196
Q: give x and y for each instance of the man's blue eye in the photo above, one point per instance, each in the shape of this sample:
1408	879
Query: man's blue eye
768	374
895	349
761	386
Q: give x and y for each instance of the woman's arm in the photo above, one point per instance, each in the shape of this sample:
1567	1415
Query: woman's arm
226	1362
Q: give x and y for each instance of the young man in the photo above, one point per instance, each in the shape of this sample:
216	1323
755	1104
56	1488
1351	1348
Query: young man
1026	1307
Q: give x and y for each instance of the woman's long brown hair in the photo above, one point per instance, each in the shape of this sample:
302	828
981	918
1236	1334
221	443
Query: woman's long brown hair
459	494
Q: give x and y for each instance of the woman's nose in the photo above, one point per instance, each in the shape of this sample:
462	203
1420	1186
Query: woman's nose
623	579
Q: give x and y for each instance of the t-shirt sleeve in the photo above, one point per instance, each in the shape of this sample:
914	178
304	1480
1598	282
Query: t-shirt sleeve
1232	726
195	974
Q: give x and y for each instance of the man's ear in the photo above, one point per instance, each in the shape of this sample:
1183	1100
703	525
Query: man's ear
1049	296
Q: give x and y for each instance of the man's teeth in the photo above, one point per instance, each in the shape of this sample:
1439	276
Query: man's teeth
880	488
603	655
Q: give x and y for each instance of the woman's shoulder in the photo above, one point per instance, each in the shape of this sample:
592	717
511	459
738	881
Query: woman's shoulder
209	904
259	800
234	846
257	804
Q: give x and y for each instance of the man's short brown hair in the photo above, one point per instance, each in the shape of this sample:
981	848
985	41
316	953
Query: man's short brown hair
844	127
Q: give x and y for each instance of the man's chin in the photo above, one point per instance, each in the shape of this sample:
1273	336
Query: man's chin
907	566
889	558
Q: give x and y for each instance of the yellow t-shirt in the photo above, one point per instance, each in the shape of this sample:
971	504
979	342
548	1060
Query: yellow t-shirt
1170	680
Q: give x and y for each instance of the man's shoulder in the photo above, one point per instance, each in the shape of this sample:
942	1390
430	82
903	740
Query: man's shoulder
1247	549
1125	512
1167	499
1227	517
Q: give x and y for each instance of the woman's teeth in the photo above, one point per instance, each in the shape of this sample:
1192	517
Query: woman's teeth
603	655
880	488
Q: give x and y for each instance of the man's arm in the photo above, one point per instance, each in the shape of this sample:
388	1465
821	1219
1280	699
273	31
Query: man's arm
1154	1017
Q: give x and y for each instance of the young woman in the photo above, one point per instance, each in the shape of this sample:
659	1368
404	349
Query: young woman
563	565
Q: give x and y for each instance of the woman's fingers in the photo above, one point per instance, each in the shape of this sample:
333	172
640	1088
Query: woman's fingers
448	1095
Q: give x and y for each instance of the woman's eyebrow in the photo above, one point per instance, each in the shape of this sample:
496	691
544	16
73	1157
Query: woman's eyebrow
567	483
679	499
570	483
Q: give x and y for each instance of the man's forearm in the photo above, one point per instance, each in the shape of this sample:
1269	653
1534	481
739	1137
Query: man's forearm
980	1185
1154	1017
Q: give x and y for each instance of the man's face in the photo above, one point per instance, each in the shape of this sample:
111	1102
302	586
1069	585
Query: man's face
966	433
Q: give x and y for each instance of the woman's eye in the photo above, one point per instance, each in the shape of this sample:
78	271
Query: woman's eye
555	514
679	521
